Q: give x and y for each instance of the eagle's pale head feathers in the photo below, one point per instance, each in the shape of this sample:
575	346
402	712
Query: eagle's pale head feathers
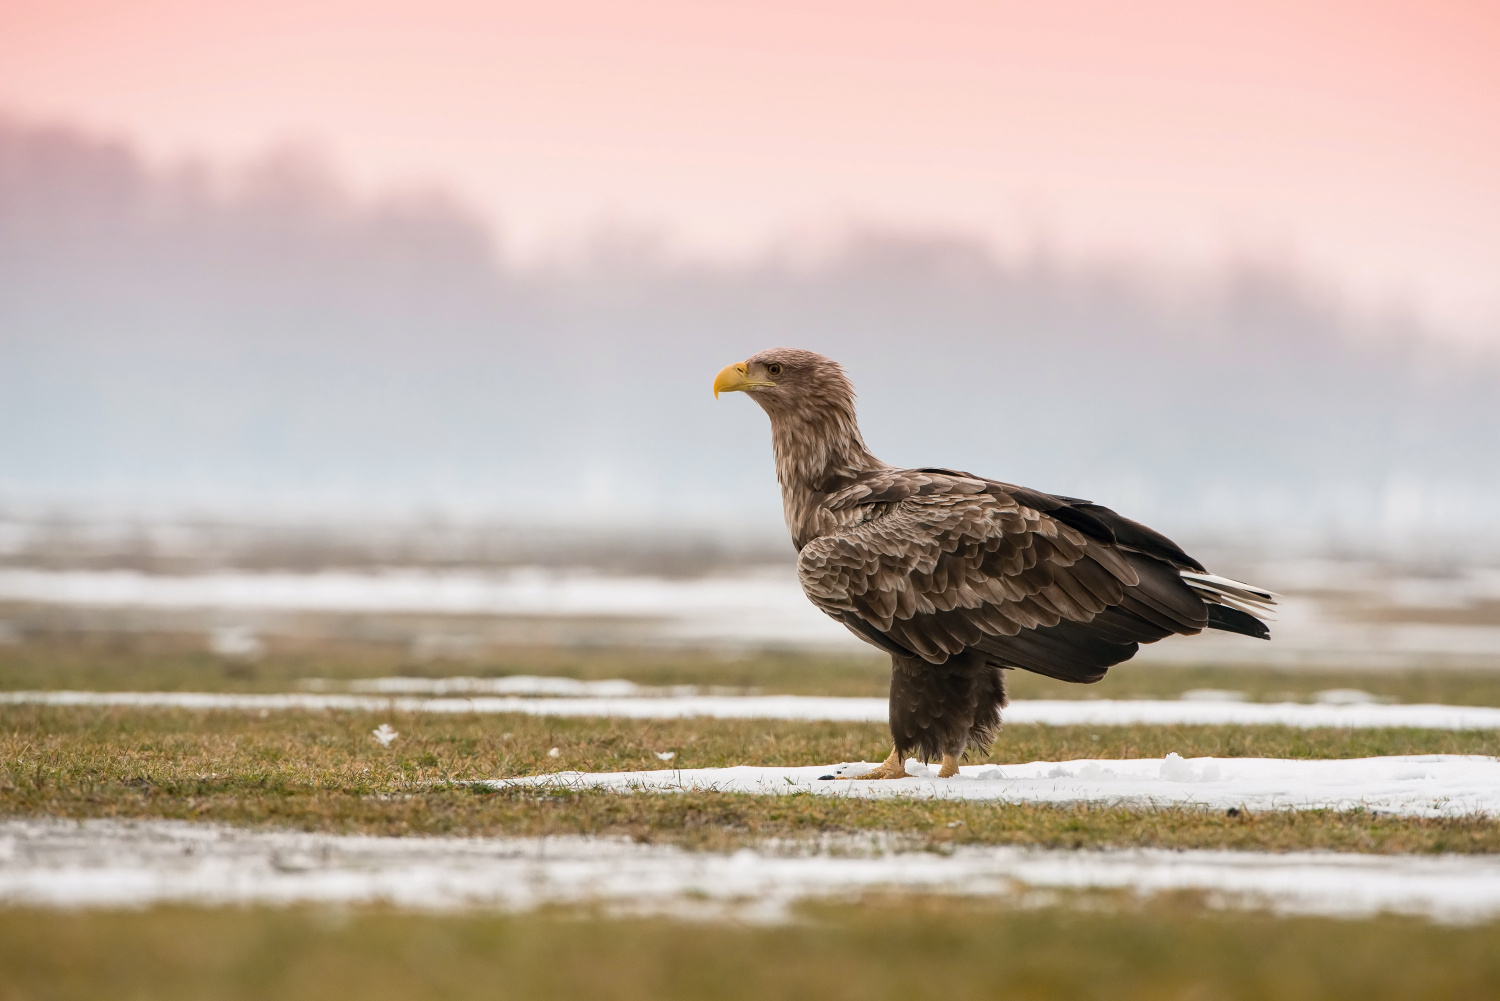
814	432
790	381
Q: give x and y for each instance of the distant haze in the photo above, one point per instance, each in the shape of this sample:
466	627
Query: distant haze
282	346
1357	139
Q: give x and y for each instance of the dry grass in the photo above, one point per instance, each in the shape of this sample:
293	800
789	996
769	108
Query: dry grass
167	662
322	771
883	948
129	661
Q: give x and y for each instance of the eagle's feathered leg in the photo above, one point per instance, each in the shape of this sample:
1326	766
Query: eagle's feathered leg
940	710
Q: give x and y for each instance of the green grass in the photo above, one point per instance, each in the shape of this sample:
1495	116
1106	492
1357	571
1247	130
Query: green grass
896	948
121	661
167	662
322	771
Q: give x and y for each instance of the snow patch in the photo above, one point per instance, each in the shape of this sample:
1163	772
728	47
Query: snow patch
746	608
237	642
1175	768
1052	712
1436	785
517	684
100	863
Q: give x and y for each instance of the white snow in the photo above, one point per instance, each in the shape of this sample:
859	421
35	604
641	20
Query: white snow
1105	712
753	607
516	684
101	863
529	591
1053	712
237	642
1427	785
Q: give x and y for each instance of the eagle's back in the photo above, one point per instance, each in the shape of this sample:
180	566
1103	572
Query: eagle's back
931	564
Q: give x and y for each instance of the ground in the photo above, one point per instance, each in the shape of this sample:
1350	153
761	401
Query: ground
1096	947
322	771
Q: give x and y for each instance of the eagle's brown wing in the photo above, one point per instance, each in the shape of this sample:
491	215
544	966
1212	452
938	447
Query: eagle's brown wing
931	563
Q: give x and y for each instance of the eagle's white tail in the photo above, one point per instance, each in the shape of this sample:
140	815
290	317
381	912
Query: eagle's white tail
1247	598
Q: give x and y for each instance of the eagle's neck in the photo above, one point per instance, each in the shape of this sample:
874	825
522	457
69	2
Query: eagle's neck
817	450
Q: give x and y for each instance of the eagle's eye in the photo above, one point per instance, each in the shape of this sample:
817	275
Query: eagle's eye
774	368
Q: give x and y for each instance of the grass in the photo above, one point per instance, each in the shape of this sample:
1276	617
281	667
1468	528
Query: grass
168	662
880	948
322	771
128	661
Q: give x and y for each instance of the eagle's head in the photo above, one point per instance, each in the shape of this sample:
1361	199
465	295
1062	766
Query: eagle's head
814	433
787	381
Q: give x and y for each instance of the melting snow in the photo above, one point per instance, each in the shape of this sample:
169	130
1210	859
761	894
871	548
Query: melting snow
236	641
751	607
1092	712
1432	785
112	864
766	606
516	684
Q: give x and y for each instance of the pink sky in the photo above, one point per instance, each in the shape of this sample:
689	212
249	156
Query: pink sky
1359	141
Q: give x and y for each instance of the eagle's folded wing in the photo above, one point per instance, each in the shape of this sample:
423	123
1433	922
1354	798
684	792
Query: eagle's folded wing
932	562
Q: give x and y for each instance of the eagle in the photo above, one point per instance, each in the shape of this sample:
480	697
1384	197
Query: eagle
959	577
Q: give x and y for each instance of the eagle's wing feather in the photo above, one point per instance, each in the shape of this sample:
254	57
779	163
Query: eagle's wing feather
929	563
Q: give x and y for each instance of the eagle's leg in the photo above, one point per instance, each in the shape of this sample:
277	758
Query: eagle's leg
940	710
893	767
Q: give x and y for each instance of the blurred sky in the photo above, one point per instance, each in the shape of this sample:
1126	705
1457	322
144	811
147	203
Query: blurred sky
1229	269
1357	142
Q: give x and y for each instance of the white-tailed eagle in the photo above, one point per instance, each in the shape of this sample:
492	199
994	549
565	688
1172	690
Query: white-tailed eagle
959	577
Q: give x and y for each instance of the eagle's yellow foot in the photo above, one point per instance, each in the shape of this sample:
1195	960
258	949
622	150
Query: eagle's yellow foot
950	766
892	767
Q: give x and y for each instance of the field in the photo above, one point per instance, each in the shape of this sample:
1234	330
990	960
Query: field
130	661
321	771
1094	946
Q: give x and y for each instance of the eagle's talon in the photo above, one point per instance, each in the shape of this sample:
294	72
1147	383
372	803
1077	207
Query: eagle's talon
892	767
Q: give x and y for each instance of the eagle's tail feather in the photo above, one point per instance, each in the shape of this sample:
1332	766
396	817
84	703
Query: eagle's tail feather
1233	605
1232	620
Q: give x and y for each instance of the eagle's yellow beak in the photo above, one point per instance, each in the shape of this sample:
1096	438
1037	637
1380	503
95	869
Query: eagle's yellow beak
736	379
